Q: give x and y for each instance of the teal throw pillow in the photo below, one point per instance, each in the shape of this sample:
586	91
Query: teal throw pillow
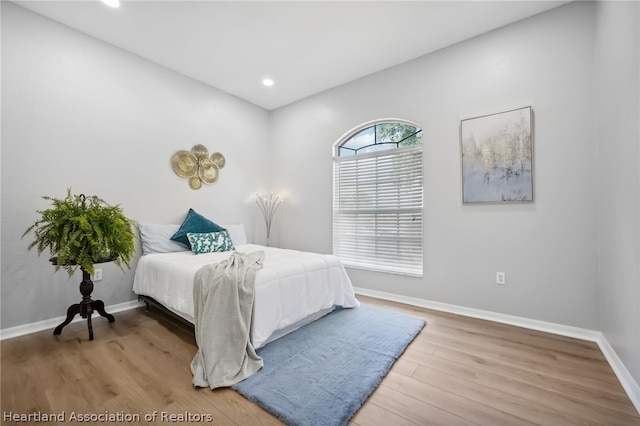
210	242
195	223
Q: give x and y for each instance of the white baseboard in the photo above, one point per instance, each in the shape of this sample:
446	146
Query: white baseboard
51	323
626	379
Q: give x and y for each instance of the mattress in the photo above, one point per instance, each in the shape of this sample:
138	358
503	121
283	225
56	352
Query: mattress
292	288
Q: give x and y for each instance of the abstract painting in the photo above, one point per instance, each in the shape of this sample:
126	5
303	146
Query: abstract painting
497	157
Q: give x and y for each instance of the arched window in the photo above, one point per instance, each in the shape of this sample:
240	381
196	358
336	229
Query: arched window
377	197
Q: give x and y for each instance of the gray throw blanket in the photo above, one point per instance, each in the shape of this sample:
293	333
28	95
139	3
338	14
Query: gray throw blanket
223	295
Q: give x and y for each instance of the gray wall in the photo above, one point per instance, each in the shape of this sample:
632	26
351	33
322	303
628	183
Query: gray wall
79	113
547	248
618	114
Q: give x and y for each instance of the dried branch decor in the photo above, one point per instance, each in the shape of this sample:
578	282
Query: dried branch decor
268	204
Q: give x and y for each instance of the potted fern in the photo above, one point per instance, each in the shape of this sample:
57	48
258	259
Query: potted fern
79	232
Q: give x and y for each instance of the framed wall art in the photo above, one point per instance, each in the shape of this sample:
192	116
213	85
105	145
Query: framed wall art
497	157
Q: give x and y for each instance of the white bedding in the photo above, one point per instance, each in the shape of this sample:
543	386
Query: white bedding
292	286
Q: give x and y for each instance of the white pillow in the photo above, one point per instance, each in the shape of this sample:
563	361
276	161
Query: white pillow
156	238
237	234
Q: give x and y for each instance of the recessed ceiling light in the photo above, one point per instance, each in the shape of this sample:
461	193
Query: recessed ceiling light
112	3
267	82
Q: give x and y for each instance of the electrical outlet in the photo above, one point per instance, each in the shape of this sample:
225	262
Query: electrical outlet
501	278
97	274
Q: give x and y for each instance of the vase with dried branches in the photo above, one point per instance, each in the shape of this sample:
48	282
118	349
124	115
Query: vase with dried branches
268	204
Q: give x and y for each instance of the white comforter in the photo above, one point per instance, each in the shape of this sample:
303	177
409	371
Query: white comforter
291	286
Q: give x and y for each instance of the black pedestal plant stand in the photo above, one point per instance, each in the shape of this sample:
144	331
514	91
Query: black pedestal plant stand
87	306
80	231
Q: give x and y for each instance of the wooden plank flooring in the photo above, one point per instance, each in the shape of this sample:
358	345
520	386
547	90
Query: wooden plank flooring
458	371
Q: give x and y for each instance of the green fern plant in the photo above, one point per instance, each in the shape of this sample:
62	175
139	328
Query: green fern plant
80	231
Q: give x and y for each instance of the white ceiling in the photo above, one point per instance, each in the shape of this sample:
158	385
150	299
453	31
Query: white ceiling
305	47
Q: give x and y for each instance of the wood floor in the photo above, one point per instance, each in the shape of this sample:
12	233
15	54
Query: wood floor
458	371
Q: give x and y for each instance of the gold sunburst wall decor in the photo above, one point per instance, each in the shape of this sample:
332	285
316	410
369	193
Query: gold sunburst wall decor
197	166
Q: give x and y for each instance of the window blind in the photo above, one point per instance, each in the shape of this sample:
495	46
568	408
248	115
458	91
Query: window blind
377	210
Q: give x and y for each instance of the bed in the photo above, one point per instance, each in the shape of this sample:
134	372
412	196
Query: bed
292	288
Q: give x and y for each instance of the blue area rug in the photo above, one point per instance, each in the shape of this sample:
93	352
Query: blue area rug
323	372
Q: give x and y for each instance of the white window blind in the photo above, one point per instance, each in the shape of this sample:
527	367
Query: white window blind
377	210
